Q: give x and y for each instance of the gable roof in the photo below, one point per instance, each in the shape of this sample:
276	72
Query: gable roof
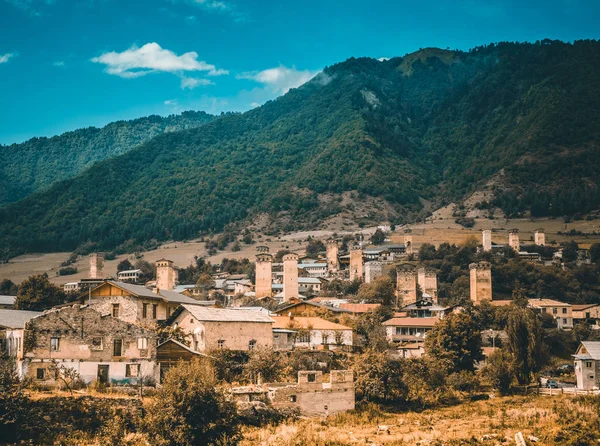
593	350
185	347
226	315
411	322
7	300
16	318
316	323
311	304
547	303
142	291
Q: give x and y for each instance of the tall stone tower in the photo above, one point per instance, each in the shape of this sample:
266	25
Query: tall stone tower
166	275
408	241
540	237
481	282
264	273
290	276
487	240
427	280
513	240
372	271
406	284
96	266
333	263
356	263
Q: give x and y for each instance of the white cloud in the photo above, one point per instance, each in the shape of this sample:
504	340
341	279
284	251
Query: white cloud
59	63
191	82
150	58
280	79
172	102
5	58
190	19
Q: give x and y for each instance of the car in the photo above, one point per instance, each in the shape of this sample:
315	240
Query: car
566	368
551	383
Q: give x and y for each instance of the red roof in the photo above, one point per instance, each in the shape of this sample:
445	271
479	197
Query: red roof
411	322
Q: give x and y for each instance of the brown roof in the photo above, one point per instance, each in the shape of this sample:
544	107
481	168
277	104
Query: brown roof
580	307
360	308
500	303
316	323
547	303
411	322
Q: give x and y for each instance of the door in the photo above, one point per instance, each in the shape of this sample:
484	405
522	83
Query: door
103	374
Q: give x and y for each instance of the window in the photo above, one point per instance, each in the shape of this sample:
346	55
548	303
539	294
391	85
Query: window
251	344
115	311
142	343
564	321
54	344
191	320
132	370
311	377
221	343
117	347
587	315
398	330
304	337
564	311
588	364
324	339
293	398
144	310
554	310
154	308
97	344
40	374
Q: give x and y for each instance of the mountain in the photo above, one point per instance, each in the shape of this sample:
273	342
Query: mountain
38	163
429	127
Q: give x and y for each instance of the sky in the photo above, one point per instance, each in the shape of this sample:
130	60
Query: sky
68	64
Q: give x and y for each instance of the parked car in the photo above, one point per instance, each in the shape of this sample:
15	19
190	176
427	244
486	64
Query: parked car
552	384
565	368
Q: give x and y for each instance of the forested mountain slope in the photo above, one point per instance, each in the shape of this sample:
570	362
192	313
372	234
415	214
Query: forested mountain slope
434	124
36	164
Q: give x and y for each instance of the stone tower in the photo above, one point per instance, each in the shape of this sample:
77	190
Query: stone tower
96	266
427	280
540	237
356	263
372	271
408	241
487	240
166	275
264	273
290	276
406	284
333	263
513	240
481	282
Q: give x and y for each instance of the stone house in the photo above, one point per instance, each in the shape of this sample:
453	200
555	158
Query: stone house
315	332
219	328
99	347
137	304
12	324
170	352
560	311
587	365
586	312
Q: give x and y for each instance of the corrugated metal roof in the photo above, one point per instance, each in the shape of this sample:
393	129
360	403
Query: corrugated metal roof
593	348
16	318
7	300
226	315
547	303
142	291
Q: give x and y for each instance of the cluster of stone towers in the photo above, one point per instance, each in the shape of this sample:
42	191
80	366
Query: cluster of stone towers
409	279
539	238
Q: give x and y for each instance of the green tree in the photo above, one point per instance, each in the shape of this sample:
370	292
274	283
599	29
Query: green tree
378	237
265	362
314	247
8	288
499	370
124	265
569	253
12	400
427	252
37	293
380	290
525	343
460	293
595	252
205	283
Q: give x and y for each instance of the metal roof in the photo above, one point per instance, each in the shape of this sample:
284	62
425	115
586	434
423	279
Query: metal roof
226	315
16	318
593	348
142	291
7	300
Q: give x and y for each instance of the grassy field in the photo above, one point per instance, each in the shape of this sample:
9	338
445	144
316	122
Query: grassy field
551	420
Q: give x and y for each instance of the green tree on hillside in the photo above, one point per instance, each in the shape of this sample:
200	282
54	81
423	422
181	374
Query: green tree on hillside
37	293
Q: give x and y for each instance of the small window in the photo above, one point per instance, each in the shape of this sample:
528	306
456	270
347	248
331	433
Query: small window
251	344
97	344
132	370
312	377
115	311
117	347
588	364
564	311
154	310
325	407
142	343
293	398
54	344
325	339
564	321
144	310
221	343
554	310
191	320
40	374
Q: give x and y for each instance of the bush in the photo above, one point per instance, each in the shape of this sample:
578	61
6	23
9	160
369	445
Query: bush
67	271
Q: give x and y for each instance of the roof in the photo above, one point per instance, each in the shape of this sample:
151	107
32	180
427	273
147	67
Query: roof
593	349
315	323
261	309
171	340
360	308
16	318
7	300
411	322
423	306
547	303
312	265
578	307
129	271
312	304
313	280
142	291
226	315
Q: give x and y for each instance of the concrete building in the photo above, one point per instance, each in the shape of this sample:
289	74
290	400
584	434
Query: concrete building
333	263
221	328
315	333
166	275
356	263
427	280
486	236
372	271
98	347
314	269
587	365
586	312
290	277
406	284
408	241
130	275
513	240
408	330
264	274
539	237
96	265
480	282
560	311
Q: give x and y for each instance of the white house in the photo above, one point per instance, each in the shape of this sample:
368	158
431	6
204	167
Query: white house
315	332
587	365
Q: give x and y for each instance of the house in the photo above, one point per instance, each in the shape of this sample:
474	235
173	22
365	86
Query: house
71	286
170	352
587	365
315	332
315	269
219	328
359	308
560	311
307	308
12	324
409	329
99	347
425	308
586	312
7	302
130	275
137	304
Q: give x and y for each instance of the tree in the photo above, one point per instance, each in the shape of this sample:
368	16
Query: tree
266	362
37	294
456	338
569	253
380	291
190	409
69	376
147	270
12	399
499	370
205	283
595	252
124	265
368	326
460	292
8	288
314	247
378	237
427	252
525	343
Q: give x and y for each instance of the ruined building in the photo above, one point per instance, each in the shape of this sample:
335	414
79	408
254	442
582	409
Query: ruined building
406	284
513	240
487	240
540	237
96	266
333	263
481	282
356	263
408	241
264	272
290	277
166	275
372	271
427	280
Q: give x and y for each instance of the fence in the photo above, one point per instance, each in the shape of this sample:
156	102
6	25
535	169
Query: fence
567	391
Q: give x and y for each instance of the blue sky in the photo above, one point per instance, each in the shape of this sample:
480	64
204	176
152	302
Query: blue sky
66	64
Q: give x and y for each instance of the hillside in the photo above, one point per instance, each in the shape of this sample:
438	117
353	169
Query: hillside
38	163
434	126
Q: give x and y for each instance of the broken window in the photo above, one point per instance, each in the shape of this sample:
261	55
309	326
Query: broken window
115	310
117	347
142	343
132	370
97	344
54	344
40	374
